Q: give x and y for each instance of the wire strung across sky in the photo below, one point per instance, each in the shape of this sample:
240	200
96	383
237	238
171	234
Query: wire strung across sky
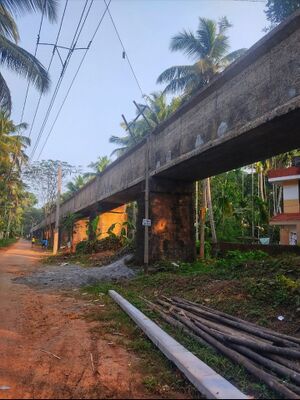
124	50
78	32
74	78
35	52
65	65
49	66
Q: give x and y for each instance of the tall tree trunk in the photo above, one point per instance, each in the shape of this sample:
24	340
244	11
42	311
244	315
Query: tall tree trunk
203	214
8	225
211	212
197	211
134	218
252	201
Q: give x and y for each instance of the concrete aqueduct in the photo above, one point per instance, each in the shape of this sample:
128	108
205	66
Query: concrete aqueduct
249	112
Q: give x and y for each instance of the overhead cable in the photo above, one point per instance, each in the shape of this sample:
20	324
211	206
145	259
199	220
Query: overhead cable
74	78
49	66
125	54
35	52
65	65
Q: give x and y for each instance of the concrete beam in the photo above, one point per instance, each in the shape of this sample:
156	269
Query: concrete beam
204	378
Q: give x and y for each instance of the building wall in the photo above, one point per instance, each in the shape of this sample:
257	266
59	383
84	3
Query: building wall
285	232
291	197
117	216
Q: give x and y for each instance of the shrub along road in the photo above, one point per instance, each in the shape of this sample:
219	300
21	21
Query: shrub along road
48	349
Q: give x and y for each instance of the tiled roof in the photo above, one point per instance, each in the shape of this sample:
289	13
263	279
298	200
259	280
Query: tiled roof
285	217
277	173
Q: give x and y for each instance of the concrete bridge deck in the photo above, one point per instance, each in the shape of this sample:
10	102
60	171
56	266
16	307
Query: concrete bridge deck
249	112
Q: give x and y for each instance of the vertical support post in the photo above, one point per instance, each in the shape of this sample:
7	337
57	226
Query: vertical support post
197	211
203	215
146	238
56	229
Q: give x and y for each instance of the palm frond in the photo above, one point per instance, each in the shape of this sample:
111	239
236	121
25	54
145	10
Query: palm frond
206	34
5	97
23	63
18	7
220	47
8	26
224	25
188	43
234	55
23	140
119	152
176	72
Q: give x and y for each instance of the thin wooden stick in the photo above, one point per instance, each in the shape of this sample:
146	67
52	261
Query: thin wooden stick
241	326
92	362
51	354
231	317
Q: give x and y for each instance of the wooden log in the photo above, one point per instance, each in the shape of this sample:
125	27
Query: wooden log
218	326
293	388
176	324
266	348
241	326
231	317
287	363
274	366
280	370
259	373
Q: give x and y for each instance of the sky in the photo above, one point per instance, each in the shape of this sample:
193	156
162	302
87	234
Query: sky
105	88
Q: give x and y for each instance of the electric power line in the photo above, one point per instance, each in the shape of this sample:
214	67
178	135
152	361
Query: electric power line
74	78
49	65
125	52
35	52
65	65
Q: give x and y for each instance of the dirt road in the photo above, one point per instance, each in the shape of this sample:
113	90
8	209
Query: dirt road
36	327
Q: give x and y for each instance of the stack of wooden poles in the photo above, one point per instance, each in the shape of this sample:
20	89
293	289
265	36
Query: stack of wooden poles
270	356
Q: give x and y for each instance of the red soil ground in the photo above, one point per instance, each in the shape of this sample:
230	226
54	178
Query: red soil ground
32	322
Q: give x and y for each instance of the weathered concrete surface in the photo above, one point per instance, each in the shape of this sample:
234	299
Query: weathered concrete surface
249	112
172	209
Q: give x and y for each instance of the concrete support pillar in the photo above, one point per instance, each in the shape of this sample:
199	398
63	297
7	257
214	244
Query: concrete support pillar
172	211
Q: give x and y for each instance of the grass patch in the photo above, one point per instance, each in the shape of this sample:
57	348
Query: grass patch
7	242
254	287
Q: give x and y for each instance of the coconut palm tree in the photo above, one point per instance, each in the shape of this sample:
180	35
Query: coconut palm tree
12	144
98	166
12	155
208	47
12	56
157	110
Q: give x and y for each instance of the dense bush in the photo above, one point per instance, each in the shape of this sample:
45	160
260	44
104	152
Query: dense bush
109	243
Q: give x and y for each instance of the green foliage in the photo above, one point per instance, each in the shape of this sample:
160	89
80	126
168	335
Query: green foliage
13	56
125	226
109	243
208	47
281	290
242	256
7	242
278	10
156	111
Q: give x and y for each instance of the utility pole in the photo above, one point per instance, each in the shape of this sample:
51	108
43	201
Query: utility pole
146	219
56	230
146	241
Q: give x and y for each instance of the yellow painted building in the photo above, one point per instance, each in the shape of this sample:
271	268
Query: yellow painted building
289	219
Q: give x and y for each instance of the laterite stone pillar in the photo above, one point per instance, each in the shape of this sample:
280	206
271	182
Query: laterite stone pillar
171	210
